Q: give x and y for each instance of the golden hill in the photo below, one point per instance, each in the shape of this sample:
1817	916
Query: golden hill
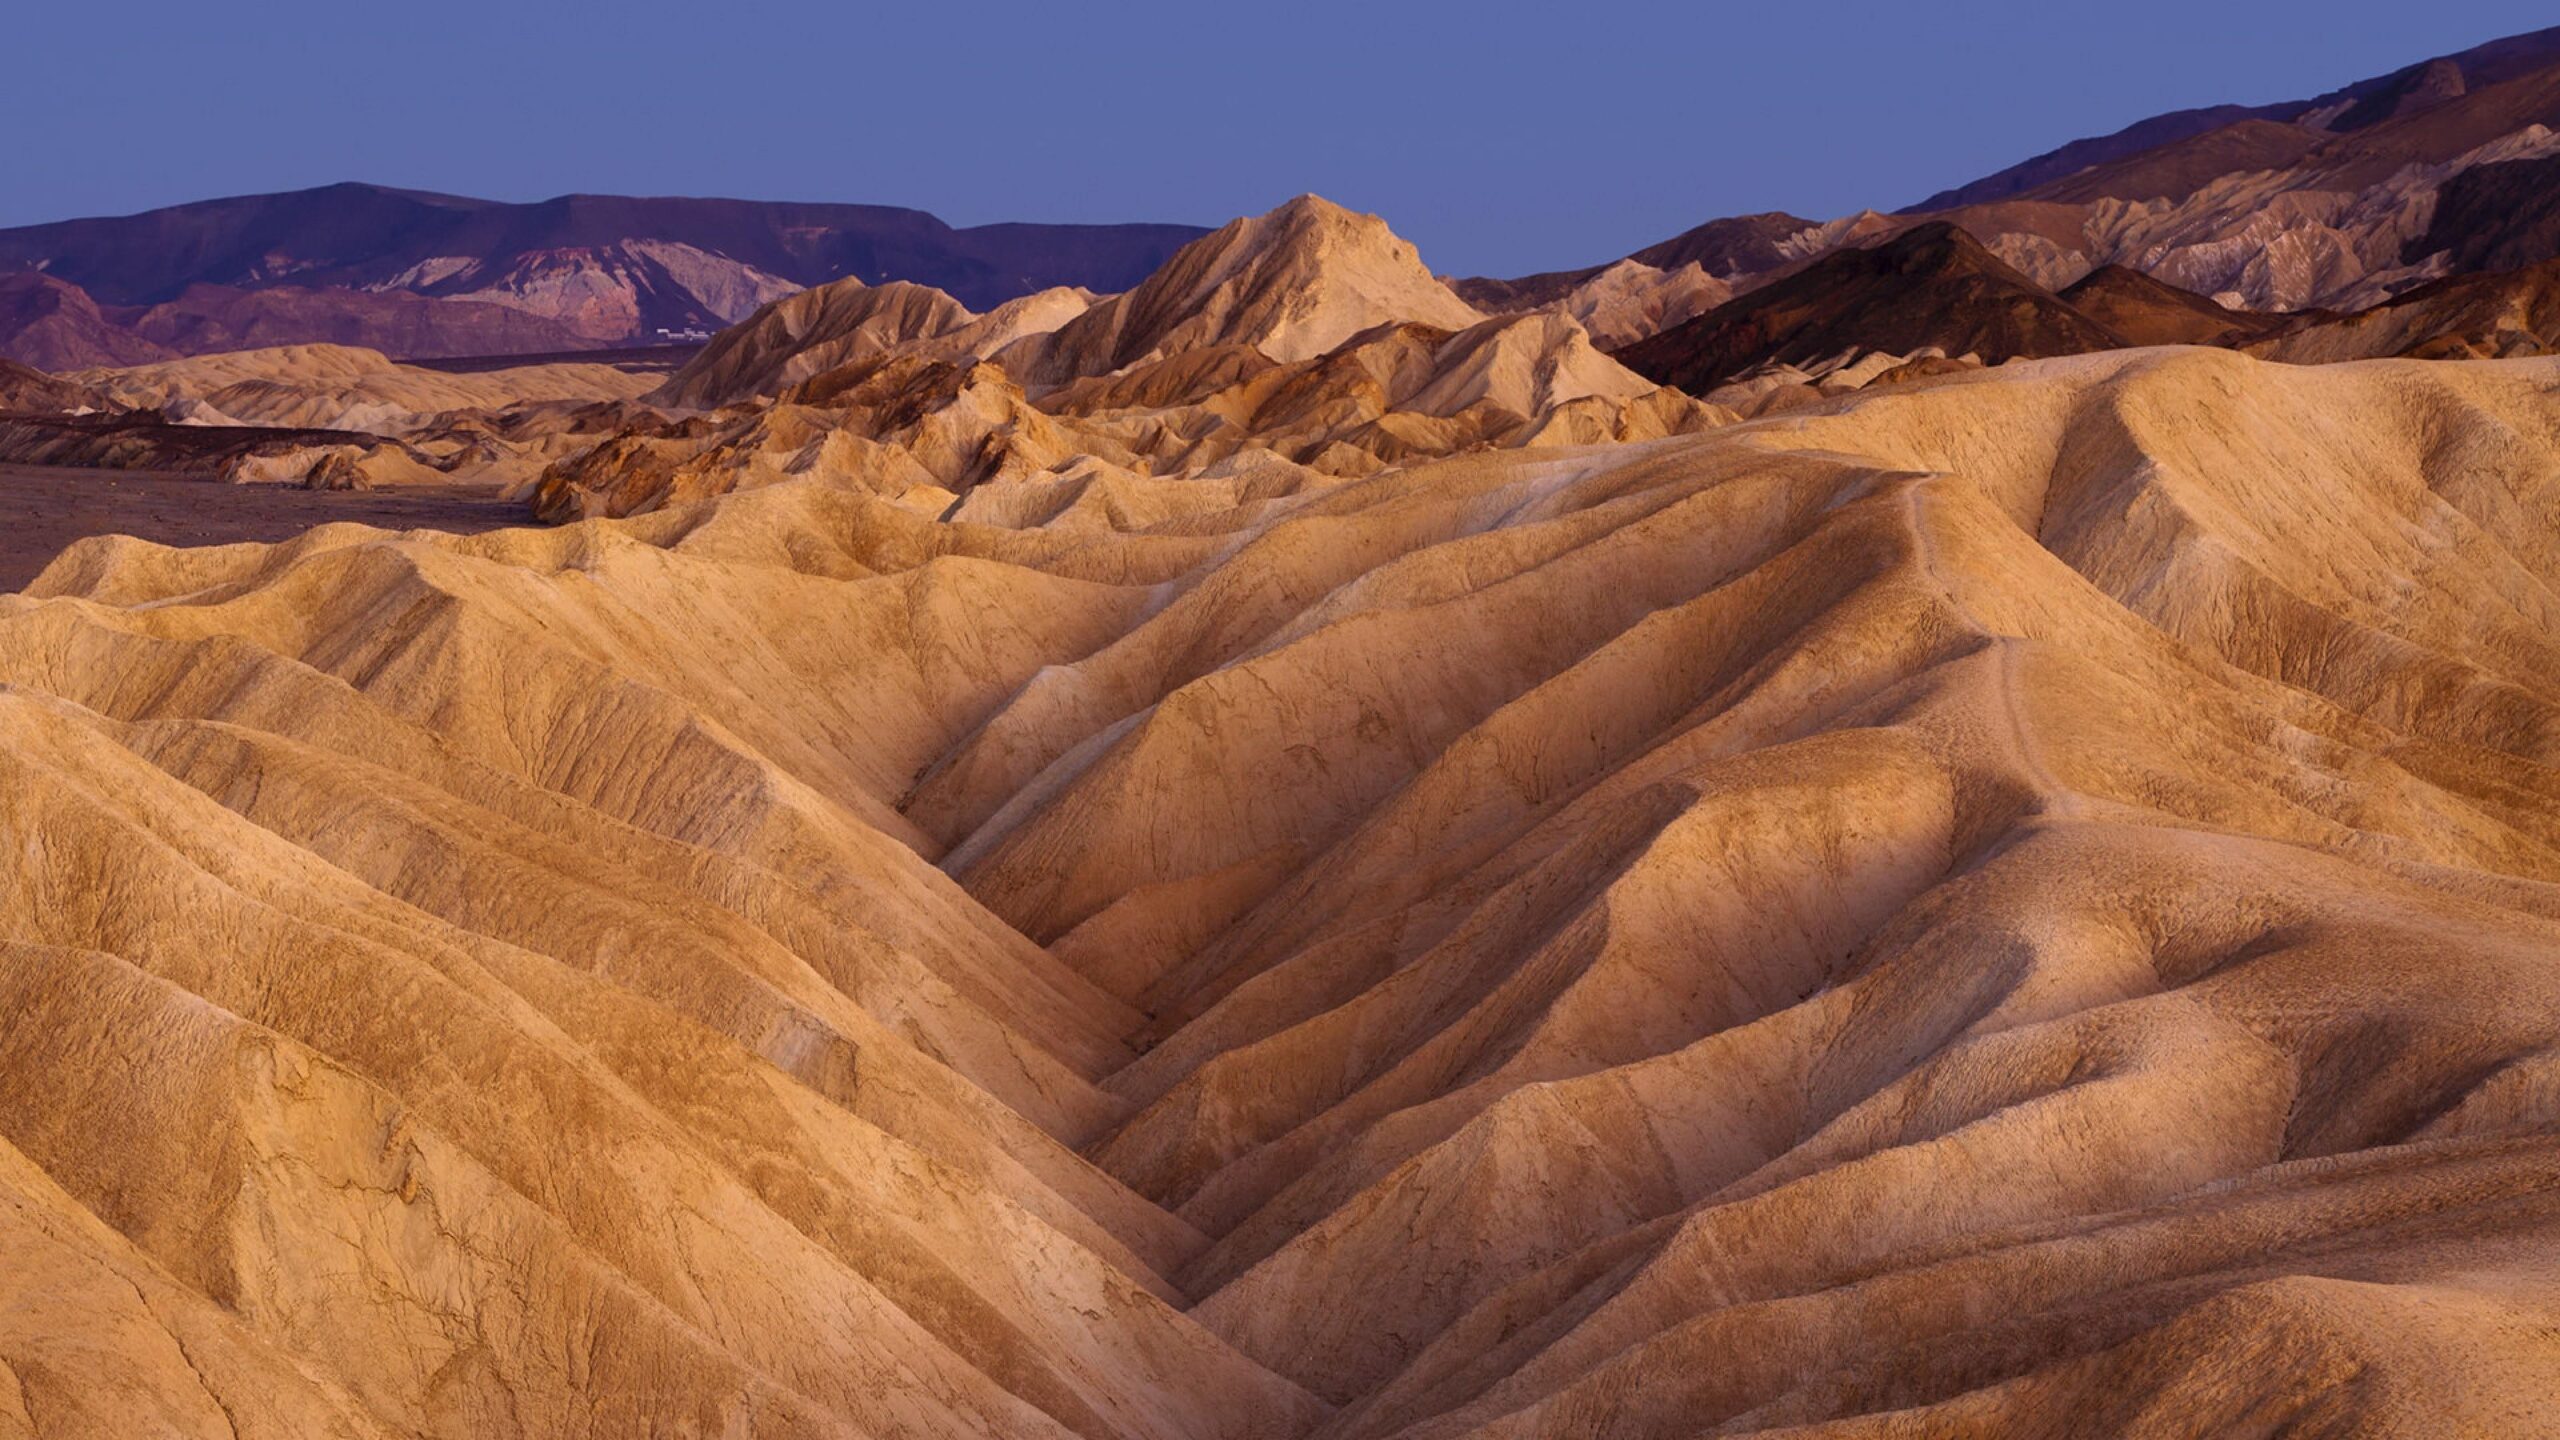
338	387
909	425
1299	347
816	330
1292	284
324	416
2016	904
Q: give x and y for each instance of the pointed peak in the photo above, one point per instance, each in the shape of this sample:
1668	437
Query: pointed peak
1293	282
1310	203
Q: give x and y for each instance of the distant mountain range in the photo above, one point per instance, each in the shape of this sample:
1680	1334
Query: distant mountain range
2449	166
1935	290
2344	111
353	263
2342	202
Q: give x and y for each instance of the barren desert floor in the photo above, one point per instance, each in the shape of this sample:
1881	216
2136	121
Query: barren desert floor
44	508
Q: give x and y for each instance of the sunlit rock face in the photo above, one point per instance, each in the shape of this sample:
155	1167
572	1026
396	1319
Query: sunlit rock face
1989	896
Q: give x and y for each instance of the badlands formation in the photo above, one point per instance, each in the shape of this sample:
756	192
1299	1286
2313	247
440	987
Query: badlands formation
324	416
1279	354
1278	856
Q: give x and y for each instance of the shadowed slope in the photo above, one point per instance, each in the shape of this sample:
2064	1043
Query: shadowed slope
2457	318
817	330
2146	311
1930	287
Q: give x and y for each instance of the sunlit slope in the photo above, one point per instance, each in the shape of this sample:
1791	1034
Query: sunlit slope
1993	902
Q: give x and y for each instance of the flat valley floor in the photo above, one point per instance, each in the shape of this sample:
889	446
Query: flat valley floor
44	508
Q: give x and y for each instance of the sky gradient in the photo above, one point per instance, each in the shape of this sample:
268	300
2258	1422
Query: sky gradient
1500	137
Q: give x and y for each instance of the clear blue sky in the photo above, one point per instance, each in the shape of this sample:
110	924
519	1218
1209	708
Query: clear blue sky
1501	137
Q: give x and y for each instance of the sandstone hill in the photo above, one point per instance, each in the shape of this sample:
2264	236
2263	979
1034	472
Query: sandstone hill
1213	361
1735	249
2014	904
323	415
27	390
929	431
819	329
1632	300
346	388
1287	351
1303	347
1292	284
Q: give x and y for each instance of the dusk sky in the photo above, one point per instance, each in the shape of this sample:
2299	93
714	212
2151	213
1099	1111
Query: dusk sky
1500	137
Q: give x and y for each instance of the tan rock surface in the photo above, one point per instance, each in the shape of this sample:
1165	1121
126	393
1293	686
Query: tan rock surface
2011	904
794	338
329	416
338	387
1630	301
907	422
1292	284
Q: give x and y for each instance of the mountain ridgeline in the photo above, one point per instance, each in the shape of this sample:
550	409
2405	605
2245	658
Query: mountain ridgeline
579	271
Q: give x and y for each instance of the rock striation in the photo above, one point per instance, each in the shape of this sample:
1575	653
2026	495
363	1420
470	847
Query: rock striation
1998	904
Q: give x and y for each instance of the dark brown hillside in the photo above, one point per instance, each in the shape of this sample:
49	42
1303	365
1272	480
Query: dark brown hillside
2495	316
27	390
2500	216
1934	285
2147	311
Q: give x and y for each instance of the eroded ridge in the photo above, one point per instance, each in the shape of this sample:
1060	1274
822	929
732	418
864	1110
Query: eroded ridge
2023	901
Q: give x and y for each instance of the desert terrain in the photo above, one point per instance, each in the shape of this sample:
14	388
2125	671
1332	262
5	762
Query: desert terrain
43	509
1892	837
1945	914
